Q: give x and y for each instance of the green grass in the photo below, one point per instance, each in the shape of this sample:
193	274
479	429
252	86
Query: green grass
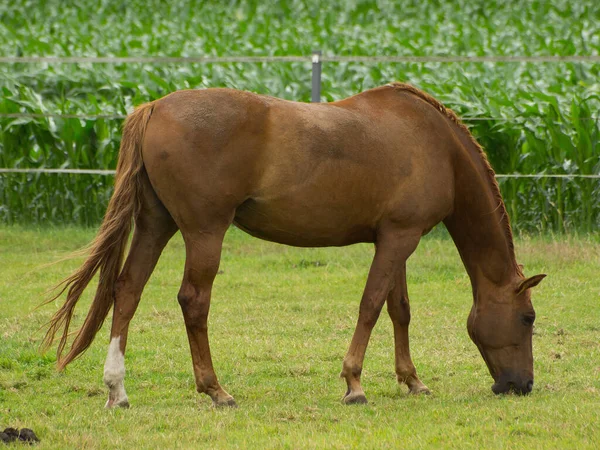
281	320
544	109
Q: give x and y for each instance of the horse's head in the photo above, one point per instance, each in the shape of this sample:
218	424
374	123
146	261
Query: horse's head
501	325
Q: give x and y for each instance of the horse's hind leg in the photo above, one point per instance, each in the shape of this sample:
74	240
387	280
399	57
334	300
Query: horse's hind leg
392	250
203	254
153	229
399	311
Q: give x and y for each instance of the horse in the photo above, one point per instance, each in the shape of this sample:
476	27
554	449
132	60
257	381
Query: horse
383	166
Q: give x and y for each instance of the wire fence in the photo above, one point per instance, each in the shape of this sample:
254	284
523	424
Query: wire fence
112	172
271	59
60	171
316	59
62	116
123	116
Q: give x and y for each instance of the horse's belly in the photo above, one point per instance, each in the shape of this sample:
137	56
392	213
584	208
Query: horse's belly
303	226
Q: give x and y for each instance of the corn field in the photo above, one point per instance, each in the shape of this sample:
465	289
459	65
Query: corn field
532	118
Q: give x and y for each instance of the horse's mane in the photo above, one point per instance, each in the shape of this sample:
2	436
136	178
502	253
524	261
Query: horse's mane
486	164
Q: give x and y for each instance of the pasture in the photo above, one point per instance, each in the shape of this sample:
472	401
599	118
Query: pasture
281	319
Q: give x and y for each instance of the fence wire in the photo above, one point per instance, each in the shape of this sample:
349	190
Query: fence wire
123	116
112	172
62	116
270	59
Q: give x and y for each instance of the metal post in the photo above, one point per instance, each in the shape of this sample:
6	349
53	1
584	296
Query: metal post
316	76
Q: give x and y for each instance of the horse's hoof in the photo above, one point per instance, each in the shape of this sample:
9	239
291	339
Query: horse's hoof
419	390
227	403
355	399
123	403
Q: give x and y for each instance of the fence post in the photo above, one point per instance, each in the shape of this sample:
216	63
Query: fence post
316	77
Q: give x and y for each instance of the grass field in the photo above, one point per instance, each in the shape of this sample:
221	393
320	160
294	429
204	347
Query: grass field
280	323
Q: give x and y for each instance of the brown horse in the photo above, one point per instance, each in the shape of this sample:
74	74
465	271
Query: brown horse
383	166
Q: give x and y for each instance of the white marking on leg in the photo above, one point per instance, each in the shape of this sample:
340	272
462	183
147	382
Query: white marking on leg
114	374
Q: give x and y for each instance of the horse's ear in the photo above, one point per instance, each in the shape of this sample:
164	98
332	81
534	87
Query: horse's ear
530	282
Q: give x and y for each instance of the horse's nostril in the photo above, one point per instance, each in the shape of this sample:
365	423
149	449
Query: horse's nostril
529	385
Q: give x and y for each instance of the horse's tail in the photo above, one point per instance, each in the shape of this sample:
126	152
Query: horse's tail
107	249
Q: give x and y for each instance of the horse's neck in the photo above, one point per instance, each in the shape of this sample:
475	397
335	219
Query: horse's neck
479	224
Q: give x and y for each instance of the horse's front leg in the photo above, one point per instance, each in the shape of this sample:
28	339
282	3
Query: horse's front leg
392	250
399	311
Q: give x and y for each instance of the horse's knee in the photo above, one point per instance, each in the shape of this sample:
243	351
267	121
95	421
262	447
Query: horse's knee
399	311
194	305
185	297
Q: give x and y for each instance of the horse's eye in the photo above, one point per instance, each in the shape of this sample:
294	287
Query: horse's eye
528	319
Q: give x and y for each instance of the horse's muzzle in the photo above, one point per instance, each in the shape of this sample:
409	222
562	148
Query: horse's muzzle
518	387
